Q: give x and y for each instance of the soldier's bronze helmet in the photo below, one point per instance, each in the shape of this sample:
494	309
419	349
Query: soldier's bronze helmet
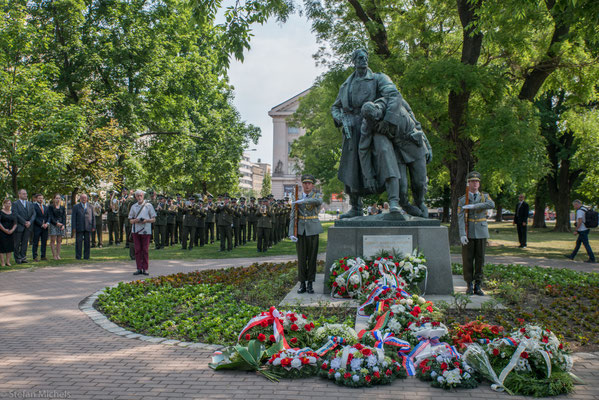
308	178
474	176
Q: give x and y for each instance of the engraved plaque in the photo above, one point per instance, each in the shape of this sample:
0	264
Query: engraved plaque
373	244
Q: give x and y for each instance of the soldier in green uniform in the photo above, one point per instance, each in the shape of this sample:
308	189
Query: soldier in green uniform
200	223
171	216
287	207
189	223
264	225
308	229
224	216
252	219
123	217
179	220
98	211
112	218
219	201
236	222
243	221
474	232
271	206
161	209
210	220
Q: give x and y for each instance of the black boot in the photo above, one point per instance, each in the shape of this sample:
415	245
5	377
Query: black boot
469	290
477	290
302	288
355	202
310	289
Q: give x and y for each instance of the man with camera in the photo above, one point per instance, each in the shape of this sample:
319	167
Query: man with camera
141	217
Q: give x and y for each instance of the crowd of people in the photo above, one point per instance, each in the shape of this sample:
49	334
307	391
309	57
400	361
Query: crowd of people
191	222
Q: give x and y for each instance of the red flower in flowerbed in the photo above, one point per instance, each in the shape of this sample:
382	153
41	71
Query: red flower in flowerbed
473	332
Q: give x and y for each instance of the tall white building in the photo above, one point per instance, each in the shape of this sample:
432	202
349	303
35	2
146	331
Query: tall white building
284	176
245	171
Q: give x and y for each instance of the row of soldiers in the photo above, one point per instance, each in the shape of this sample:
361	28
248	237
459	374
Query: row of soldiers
199	220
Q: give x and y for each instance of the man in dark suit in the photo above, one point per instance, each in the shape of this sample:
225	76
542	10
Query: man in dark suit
82	222
521	220
25	214
40	227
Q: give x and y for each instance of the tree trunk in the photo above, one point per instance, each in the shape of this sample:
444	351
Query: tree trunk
540	204
562	214
14	181
74	196
446	203
458	172
499	215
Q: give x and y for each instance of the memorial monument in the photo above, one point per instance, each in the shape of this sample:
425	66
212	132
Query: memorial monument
383	144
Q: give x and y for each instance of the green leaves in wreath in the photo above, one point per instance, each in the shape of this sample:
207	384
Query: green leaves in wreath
248	358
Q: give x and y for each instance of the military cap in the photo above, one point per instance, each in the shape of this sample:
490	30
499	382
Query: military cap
210	196
226	196
200	201
474	176
233	199
160	197
178	195
286	198
270	196
191	198
308	178
252	198
242	198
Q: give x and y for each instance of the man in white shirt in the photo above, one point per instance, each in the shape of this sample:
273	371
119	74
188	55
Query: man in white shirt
141	216
582	231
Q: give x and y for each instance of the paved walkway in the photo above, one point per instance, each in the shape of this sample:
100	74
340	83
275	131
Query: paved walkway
49	348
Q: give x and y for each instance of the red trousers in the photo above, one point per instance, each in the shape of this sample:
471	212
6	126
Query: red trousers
142	244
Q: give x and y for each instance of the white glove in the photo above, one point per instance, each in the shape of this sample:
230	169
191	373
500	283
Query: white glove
468	207
464	240
298	201
293	238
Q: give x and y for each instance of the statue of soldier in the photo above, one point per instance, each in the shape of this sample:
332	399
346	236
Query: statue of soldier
361	87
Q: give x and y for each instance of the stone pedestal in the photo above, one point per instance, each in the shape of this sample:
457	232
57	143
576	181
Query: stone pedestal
346	238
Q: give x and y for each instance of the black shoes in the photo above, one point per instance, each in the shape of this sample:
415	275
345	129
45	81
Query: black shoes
145	272
470	290
138	272
310	289
568	256
302	288
477	290
590	261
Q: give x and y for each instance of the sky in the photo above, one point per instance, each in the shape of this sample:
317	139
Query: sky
278	66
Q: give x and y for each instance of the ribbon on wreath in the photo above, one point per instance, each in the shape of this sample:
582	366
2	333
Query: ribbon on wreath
426	346
353	270
332	343
271	317
378	290
403	348
387	270
381	322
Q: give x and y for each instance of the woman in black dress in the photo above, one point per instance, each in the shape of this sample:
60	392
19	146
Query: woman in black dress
8	224
57	218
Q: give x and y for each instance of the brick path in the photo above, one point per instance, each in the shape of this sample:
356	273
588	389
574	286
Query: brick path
48	344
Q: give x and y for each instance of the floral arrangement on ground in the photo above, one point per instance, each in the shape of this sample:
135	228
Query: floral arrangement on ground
354	276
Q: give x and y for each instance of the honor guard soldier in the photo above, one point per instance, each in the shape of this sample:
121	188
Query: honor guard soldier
200	237
161	209
474	232
308	228
179	219
243	221
236	222
252	218
189	224
264	225
98	211
112	218
171	217
224	217
210	220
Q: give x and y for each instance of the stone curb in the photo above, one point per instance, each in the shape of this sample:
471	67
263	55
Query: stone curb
87	307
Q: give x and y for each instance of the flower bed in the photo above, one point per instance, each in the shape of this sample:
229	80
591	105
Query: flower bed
204	306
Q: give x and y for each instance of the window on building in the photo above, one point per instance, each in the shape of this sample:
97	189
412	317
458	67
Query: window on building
293	130
289	147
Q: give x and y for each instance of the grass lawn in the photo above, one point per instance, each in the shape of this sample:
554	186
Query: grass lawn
114	253
541	242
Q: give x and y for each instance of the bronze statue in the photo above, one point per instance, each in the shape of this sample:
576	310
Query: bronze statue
382	140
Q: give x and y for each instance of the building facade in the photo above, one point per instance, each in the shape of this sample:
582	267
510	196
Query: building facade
284	175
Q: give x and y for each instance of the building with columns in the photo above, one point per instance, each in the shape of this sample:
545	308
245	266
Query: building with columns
284	175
